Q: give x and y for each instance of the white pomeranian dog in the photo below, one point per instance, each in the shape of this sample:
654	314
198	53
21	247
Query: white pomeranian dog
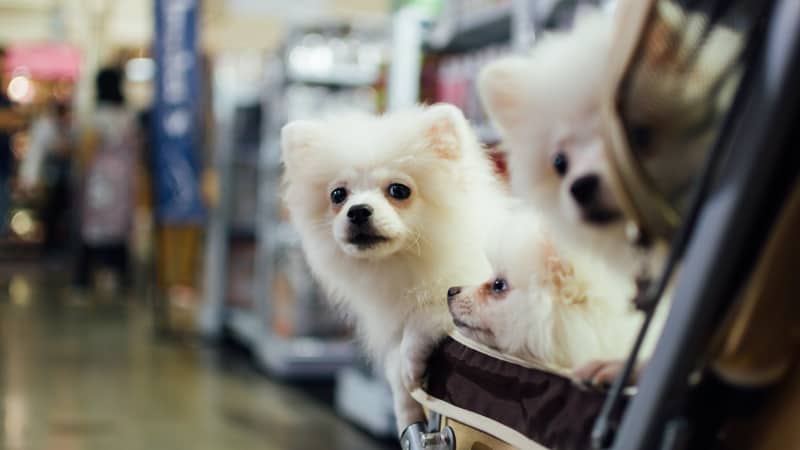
545	302
392	210
547	108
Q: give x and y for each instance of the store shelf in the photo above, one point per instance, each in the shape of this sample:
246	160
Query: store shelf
471	31
366	401
243	232
246	162
340	79
304	357
285	234
245	325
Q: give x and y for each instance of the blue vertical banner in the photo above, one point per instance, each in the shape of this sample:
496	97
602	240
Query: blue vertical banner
177	112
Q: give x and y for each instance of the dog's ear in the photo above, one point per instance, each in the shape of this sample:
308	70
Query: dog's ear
560	275
444	130
297	139
501	86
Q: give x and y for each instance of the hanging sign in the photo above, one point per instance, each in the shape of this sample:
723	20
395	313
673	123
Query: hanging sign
176	112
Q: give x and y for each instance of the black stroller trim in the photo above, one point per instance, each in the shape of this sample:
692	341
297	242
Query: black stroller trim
731	226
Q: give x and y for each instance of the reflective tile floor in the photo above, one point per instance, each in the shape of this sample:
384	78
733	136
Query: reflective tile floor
84	374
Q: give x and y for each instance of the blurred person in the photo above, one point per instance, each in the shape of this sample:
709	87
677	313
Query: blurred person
45	168
107	199
10	121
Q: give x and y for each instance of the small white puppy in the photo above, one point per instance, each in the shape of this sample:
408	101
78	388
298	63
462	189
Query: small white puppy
393	210
545	302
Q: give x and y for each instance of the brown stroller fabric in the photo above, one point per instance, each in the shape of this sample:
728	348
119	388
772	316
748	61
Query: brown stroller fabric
545	407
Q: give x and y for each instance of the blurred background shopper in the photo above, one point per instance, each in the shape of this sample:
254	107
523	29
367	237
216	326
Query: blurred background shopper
46	171
10	122
108	189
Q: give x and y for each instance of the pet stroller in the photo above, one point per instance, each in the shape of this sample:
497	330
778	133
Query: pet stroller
482	399
701	125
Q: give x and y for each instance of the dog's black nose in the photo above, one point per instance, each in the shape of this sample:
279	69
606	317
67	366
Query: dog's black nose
453	291
359	214
584	189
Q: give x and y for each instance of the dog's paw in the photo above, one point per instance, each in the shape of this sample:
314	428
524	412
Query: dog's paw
408	413
406	409
601	374
413	364
413	374
415	348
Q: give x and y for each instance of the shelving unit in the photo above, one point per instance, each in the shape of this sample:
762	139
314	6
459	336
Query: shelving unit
304	357
316	349
225	227
464	38
244	325
250	182
467	36
342	80
458	31
289	357
365	399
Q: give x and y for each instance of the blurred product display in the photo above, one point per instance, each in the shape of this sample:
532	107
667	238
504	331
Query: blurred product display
321	70
269	299
450	78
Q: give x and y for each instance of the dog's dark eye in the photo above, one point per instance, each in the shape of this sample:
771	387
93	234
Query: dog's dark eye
499	285
640	136
560	163
399	191
338	195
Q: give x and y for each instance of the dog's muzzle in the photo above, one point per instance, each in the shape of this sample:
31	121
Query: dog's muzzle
586	191
361	233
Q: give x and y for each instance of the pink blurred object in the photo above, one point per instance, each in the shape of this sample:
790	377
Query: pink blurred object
54	61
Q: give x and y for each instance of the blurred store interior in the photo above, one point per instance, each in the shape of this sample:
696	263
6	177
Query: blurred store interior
152	292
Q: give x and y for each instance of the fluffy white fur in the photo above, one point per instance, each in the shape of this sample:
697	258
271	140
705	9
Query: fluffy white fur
553	305
548	103
395	290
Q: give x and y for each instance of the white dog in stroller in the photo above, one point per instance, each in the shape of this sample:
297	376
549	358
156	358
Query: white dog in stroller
546	302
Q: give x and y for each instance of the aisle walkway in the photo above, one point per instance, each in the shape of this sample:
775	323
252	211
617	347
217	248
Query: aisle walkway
92	376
